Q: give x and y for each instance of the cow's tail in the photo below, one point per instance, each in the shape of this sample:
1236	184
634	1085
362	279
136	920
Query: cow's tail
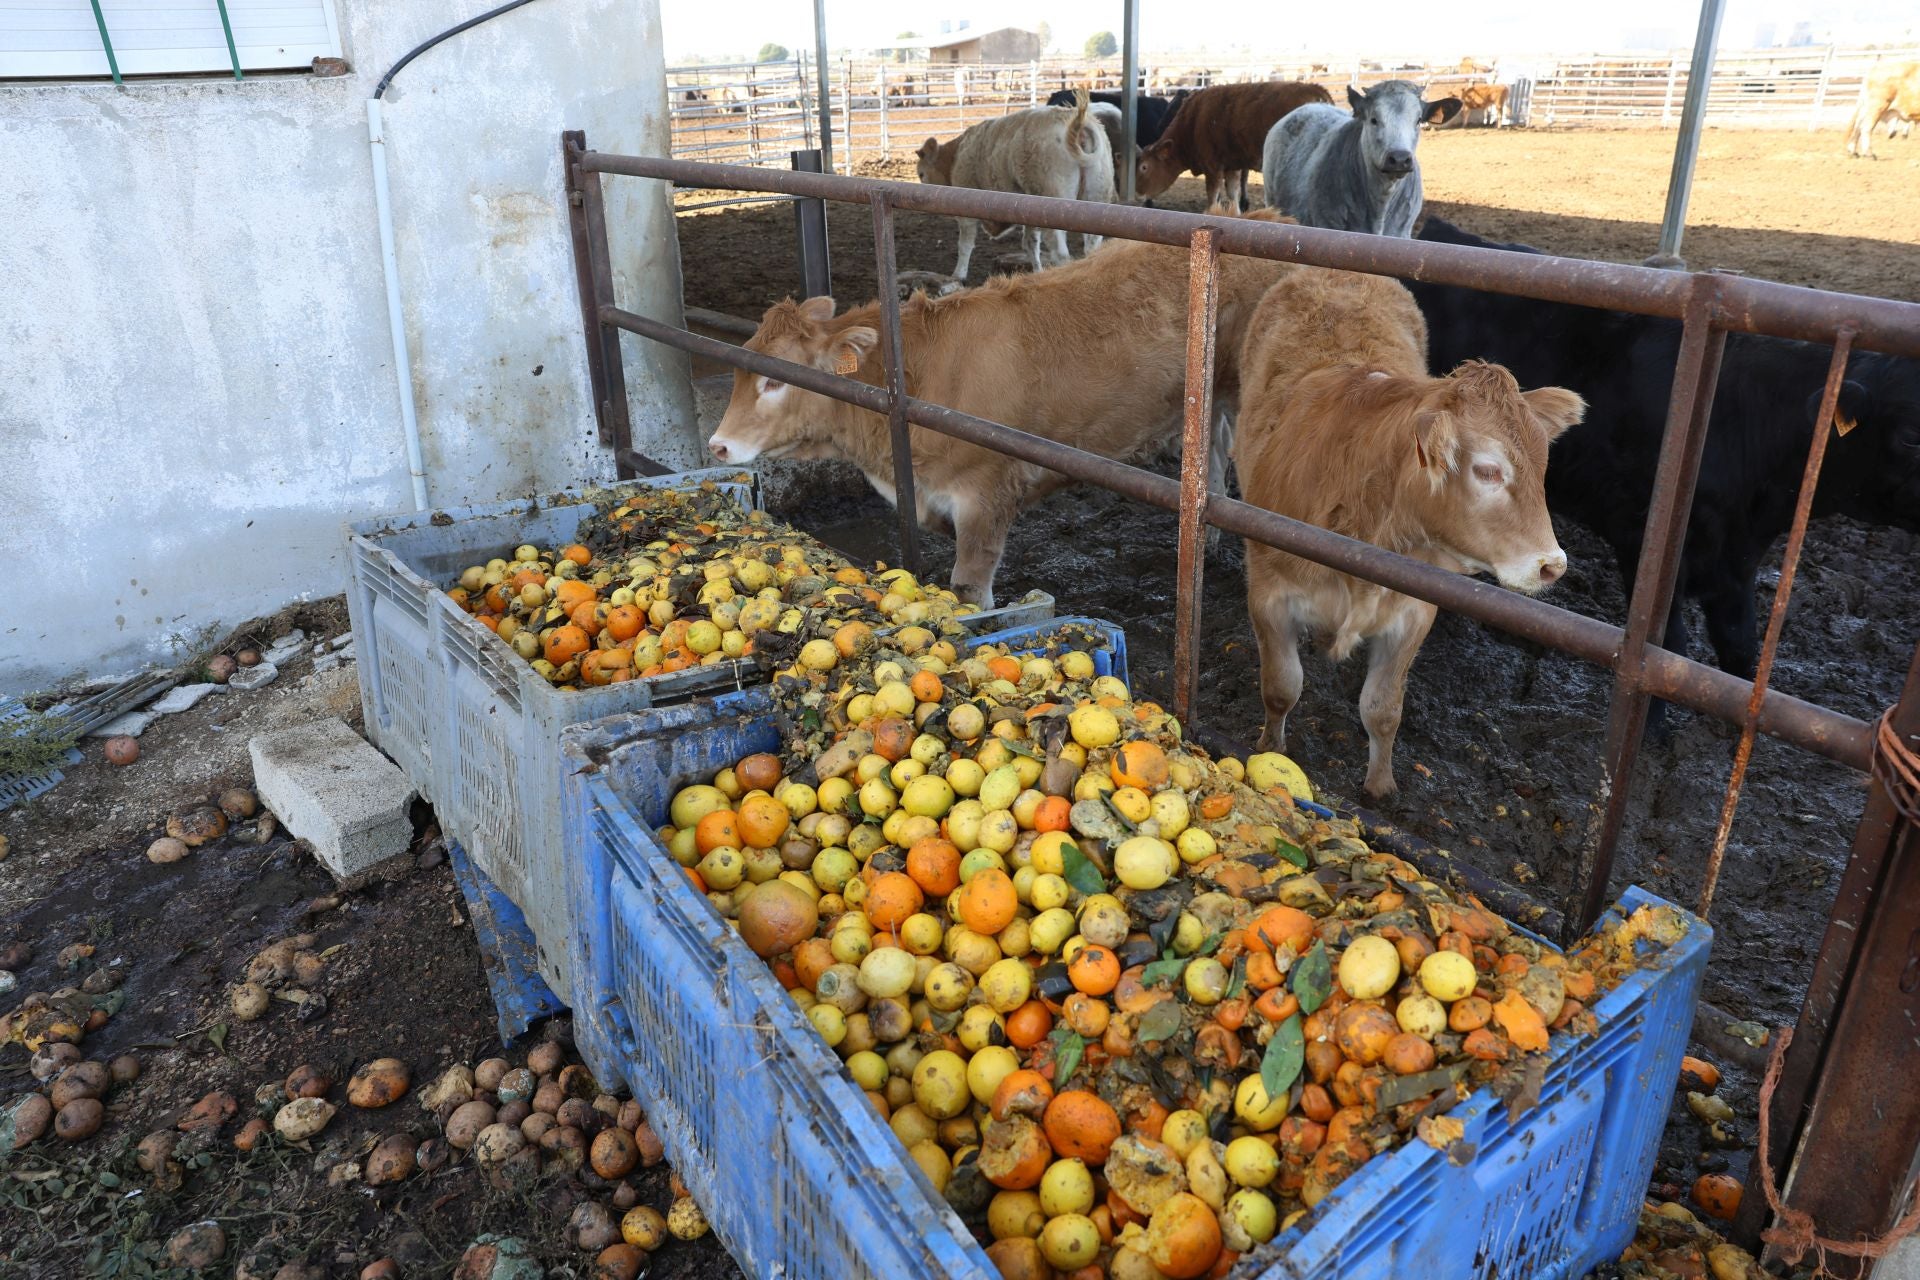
1078	135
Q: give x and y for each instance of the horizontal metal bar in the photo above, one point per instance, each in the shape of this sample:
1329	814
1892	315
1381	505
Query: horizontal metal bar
1748	305
720	320
1666	675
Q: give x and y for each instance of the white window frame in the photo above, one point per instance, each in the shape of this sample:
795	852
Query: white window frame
143	55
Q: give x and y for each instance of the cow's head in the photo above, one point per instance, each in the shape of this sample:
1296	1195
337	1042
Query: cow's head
1389	114
767	418
1478	484
1873	471
1156	169
935	162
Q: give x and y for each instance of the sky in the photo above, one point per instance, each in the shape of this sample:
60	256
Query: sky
1486	30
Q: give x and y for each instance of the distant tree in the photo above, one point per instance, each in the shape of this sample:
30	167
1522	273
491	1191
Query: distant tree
771	52
1045	32
1101	44
907	35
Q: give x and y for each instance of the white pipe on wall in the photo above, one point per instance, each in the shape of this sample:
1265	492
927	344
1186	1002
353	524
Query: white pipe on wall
396	321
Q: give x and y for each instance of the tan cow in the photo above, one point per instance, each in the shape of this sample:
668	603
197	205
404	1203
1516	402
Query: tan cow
1342	427
1092	354
1043	151
1892	88
1484	102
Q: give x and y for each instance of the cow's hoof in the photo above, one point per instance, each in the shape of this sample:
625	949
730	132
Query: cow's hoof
1382	790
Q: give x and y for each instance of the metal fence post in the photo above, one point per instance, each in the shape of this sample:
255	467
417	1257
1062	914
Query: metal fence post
1033	83
810	227
886	139
1196	456
1820	90
593	268
893	358
1693	118
1129	97
1666	107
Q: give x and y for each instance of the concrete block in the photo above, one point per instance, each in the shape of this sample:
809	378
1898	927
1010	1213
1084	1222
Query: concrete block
247	679
183	697
331	788
131	725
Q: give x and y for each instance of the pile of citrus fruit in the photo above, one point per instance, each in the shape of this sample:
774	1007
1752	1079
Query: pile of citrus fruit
661	580
1131	1010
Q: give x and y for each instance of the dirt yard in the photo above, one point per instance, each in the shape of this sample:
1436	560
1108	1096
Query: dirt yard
401	977
1499	756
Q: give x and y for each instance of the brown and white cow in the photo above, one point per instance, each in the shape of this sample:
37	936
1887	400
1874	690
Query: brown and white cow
1341	427
1092	354
1890	91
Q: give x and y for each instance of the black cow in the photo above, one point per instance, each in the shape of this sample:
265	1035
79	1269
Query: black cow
1151	115
1762	426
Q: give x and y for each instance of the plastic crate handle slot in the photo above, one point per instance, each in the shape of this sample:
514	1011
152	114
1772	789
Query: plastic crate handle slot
614	1014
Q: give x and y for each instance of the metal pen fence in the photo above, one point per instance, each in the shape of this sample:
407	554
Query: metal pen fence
1867	944
754	113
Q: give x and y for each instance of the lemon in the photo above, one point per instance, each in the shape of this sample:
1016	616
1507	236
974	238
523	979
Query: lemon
819	655
1049	930
1001	788
1006	984
1133	803
988	1068
1076	666
927	796
1195	844
1256	1110
695	803
1369	967
965	777
1144	862
1171	812
940	1084
1251	1162
1447	976
1093	726
1270	769
1066	1187
703	637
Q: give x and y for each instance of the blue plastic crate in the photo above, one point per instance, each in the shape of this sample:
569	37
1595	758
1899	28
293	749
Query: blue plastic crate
801	1179
507	955
471	724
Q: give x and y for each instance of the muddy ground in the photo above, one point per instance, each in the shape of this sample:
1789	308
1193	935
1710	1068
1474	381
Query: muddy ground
402	978
1499	755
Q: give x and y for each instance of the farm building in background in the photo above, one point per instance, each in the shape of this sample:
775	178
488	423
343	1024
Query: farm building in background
200	381
1005	44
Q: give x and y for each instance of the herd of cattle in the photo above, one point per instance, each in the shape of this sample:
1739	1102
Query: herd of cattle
1330	410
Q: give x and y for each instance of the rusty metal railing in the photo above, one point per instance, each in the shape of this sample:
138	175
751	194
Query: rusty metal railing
1708	305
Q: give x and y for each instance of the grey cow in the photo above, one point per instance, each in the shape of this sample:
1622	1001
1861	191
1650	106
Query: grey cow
1350	172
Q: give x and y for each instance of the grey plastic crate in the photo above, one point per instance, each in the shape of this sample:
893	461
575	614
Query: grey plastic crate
475	727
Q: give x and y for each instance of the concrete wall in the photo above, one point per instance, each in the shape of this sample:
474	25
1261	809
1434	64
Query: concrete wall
196	378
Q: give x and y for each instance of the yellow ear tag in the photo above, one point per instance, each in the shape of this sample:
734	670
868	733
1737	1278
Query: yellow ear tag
847	362
1843	424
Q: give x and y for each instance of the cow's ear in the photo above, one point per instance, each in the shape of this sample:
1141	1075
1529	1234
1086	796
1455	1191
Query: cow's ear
1846	411
1355	99
819	310
1434	440
930	147
851	346
1555	409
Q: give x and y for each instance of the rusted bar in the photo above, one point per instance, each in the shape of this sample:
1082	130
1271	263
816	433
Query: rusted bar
613	401
1689	408
1745	305
1819	730
1851	1167
720	322
1841	965
1196	456
572	143
1777	617
893	359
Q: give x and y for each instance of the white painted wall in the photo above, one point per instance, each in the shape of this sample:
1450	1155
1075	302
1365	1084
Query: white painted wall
196	379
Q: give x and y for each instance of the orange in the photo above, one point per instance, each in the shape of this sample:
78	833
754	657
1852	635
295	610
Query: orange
624	622
1718	1194
758	772
674	634
526	578
578	554
1087	1015
719	829
563	643
589	616
926	687
1094	970
892	898
892	738
934	865
811	959
988	902
572	593
1080	1124
488	621
1053	814
853	639
763	820
1139	764
1007	669
1183	1237
497	597
1281	926
1215	807
1021	1093
461	597
1014	1153
1028	1025
602	665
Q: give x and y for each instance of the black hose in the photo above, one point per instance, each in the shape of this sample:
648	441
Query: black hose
425	45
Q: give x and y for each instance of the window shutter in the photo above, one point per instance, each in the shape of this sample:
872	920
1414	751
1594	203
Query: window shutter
59	38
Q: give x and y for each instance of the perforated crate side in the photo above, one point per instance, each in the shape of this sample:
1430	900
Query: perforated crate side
389	611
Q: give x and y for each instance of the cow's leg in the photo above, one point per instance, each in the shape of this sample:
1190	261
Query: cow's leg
1217	463
1058	239
1732	622
969	228
1280	676
1214	182
1389	657
1240	190
980	526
